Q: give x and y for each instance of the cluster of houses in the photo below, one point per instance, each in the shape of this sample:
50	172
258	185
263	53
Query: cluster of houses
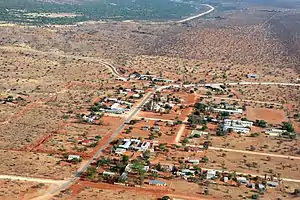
238	126
132	144
136	93
160	103
136	75
114	105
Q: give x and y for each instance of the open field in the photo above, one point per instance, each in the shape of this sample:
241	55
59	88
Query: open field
35	165
270	115
29	126
14	190
254	164
88	192
262	143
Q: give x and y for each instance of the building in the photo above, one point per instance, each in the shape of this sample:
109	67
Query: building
109	173
242	180
157	183
237	123
160	79
128	168
194	162
134	144
186	172
214	87
272	184
237	111
137	96
253	76
156	128
200	133
274	132
236	129
135	75
73	157
261	187
211	174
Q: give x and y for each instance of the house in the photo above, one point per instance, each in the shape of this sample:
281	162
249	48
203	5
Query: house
128	168
226	179
135	75
123	92
214	87
125	144
116	107
109	173
186	172
170	123
145	128
161	79
200	133
272	184
137	96
252	76
211	174
261	187
236	111
157	183
163	99
194	162
236	129
275	132
242	180
86	142
141	146
156	128
120	151
237	123
251	185
73	157
139	91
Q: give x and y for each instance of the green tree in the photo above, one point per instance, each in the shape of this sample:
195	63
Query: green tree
165	198
288	127
125	159
146	155
91	172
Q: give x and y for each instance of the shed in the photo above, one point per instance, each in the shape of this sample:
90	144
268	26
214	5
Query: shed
241	179
211	174
157	183
272	184
73	157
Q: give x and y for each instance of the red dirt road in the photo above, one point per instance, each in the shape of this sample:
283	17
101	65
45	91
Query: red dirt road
155	191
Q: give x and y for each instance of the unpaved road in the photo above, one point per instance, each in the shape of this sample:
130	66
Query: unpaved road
38	180
254	153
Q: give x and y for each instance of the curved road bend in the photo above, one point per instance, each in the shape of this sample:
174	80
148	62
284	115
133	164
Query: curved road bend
199	15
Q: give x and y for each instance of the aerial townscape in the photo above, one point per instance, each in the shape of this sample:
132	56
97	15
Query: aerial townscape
149	100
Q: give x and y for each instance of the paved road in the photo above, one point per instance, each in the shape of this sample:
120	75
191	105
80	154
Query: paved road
199	15
255	153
